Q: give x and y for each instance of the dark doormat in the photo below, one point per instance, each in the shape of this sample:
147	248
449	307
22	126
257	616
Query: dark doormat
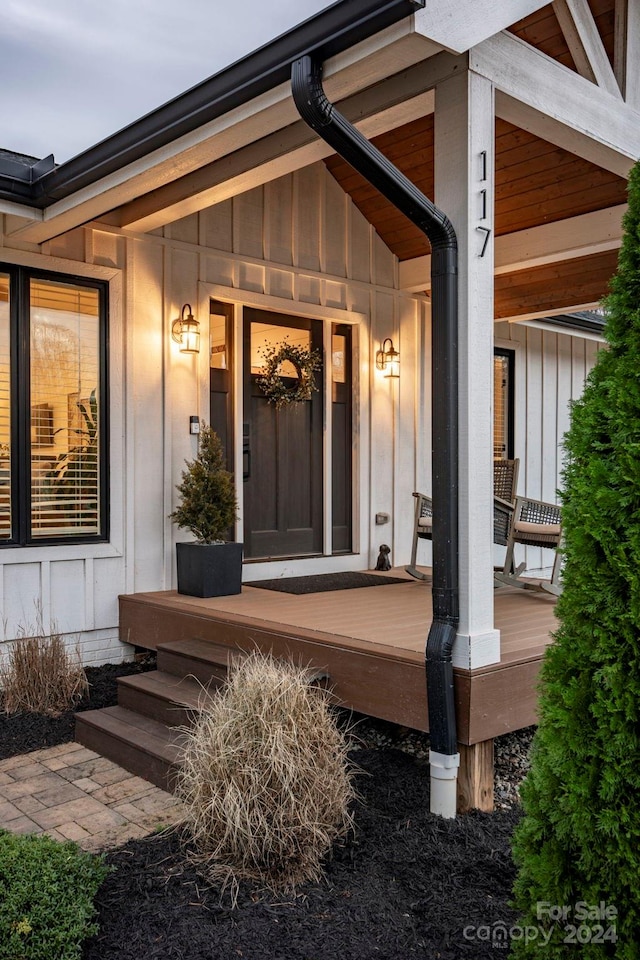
323	582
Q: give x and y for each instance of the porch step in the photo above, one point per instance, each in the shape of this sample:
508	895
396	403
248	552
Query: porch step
141	745
165	697
199	659
142	733
207	662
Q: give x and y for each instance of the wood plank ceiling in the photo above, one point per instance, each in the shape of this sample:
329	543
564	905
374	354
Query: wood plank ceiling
542	31
536	183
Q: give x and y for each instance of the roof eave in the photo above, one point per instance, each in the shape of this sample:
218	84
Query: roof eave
328	33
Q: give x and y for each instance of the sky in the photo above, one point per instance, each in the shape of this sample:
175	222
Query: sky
73	72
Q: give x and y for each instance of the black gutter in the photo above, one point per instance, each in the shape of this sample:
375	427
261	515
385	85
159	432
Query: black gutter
18	173
345	139
326	34
584	320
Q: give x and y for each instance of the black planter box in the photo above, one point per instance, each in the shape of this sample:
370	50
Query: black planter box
209	569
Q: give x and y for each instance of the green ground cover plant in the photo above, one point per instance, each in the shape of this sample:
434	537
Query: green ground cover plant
47	891
578	847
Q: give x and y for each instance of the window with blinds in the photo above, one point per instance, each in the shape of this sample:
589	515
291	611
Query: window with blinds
52	386
64	401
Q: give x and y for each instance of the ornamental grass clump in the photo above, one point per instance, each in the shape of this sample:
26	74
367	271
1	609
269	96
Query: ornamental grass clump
265	778
578	846
41	676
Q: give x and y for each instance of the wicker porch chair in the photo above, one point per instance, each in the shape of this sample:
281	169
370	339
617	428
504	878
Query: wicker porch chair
534	523
505	479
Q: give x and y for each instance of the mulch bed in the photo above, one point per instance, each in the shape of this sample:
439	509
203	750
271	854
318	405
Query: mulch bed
24	732
406	884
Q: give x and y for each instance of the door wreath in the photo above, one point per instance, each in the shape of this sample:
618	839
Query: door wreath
275	387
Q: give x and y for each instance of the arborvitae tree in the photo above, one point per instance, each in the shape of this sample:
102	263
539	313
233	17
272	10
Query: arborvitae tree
208	499
579	842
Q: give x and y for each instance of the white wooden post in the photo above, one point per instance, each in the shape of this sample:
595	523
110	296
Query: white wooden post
464	191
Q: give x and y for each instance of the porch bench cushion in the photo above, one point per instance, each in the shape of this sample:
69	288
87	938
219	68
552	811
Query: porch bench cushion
540	529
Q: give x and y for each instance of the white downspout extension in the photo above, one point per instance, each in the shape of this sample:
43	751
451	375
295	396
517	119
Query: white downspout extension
444	783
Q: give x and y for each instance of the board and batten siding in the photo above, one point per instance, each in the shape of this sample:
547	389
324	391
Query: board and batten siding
295	245
298	245
550	370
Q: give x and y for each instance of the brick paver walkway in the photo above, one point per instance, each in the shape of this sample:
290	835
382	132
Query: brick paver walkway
72	793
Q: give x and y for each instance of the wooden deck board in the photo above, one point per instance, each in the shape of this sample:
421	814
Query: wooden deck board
396	616
372	641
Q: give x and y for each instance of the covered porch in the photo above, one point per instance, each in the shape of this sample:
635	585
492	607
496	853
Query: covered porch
520	123
371	642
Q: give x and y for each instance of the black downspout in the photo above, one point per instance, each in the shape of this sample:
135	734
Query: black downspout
348	142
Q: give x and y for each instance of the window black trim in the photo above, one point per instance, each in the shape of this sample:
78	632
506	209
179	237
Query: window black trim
20	386
510	357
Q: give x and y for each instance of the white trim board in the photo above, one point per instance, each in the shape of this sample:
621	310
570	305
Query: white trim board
264	301
544	314
537	93
569	239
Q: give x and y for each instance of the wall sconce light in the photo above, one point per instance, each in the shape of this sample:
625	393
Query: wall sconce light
388	359
186	331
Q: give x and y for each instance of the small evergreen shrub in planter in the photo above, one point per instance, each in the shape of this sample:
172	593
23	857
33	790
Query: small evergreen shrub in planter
47	891
265	778
210	567
578	847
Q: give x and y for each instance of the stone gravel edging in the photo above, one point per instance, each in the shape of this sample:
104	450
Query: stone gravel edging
511	757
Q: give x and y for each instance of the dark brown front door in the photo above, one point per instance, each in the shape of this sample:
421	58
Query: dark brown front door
283	492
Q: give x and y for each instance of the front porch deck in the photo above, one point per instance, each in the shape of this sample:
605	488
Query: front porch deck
371	641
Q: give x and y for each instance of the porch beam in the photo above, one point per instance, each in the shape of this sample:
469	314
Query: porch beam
542	96
567	239
461	25
585	44
403	97
464	188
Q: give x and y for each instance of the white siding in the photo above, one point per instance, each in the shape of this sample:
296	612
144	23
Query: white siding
550	369
298	241
295	244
